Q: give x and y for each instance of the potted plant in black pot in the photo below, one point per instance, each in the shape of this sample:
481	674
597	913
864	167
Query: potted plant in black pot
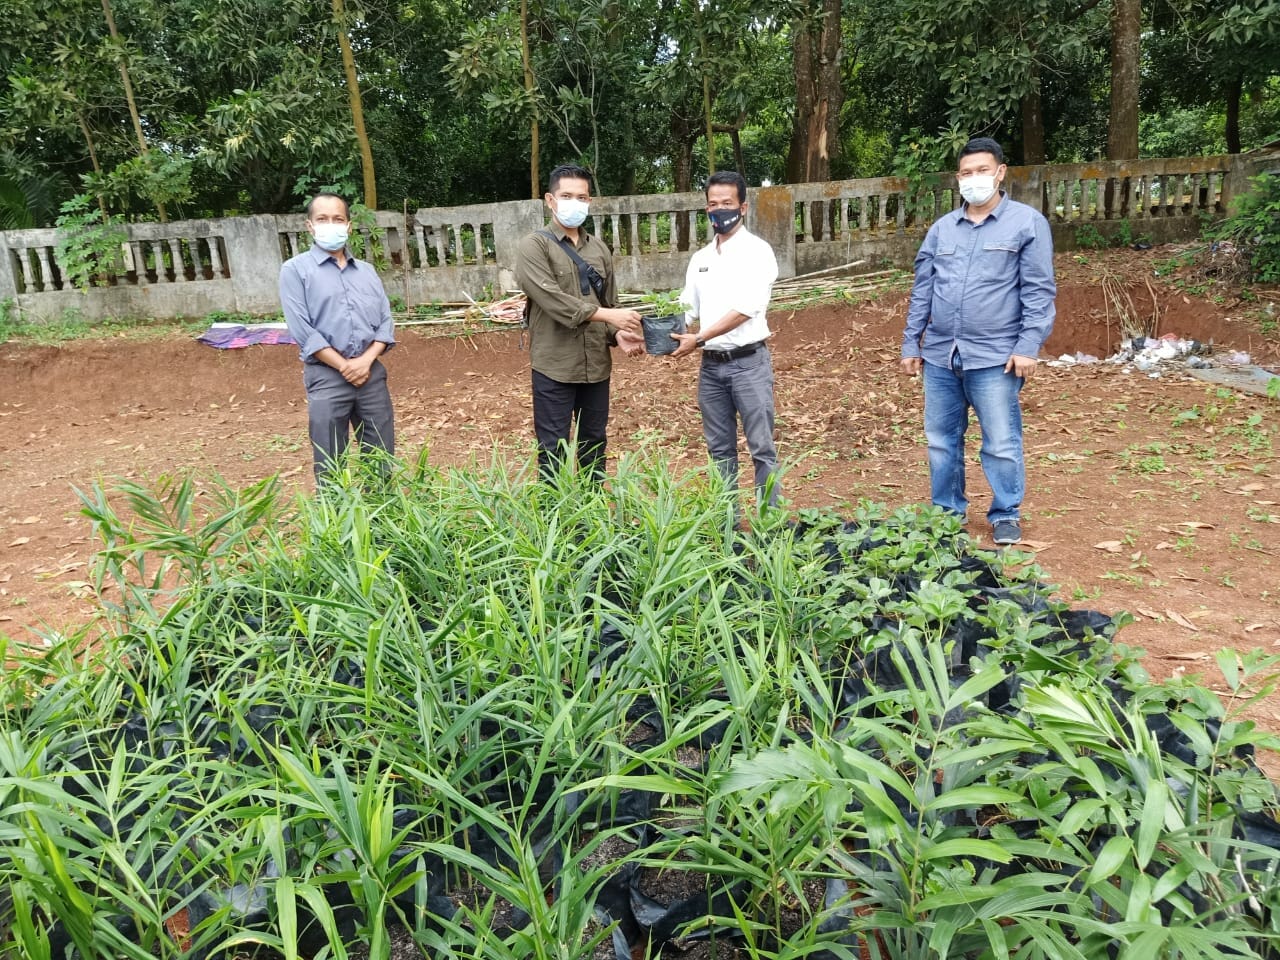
664	317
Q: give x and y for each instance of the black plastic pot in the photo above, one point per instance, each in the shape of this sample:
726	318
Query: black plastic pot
657	333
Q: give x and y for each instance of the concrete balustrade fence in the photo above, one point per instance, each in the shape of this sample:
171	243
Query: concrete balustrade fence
195	267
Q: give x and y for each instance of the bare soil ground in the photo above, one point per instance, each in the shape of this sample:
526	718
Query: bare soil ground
1156	497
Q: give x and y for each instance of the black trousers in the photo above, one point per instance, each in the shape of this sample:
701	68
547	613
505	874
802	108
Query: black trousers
555	406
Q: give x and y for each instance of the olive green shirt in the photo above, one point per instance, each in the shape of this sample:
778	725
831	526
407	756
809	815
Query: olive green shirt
564	344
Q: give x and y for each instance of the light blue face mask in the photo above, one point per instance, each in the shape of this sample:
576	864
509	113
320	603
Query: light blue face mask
571	213
330	236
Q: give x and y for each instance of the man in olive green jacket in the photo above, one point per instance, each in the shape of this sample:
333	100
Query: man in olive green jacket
573	321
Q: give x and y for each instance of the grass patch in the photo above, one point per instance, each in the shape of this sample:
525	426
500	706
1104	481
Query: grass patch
72	326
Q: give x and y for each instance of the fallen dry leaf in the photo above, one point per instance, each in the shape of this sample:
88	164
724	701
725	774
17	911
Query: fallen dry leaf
1195	524
1111	546
32	519
1254	626
1182	621
1190	655
1035	546
20	541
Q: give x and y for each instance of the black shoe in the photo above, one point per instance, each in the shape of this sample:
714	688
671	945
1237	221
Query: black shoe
1006	532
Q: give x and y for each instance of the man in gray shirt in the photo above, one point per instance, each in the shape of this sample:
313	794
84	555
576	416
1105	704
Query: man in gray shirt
337	310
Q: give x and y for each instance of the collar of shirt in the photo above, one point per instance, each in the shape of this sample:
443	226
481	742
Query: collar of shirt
319	254
561	234
963	209
720	244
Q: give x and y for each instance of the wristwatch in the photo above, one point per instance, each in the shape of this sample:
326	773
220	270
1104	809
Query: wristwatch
699	343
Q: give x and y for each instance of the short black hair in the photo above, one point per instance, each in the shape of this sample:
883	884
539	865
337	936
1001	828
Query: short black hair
731	178
346	207
567	171
982	145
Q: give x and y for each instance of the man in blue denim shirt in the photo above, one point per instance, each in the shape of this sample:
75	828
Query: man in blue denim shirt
337	310
981	309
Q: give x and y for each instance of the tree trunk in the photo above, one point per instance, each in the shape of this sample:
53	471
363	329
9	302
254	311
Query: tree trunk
815	136
684	135
1033	122
128	92
1126	33
1235	89
706	90
527	62
93	159
357	108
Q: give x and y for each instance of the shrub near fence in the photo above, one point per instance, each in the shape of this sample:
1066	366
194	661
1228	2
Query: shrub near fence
448	253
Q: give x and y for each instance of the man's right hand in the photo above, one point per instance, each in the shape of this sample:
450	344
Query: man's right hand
628	320
356	372
911	366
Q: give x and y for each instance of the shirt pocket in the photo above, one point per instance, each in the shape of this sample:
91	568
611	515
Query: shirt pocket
948	272
998	260
567	279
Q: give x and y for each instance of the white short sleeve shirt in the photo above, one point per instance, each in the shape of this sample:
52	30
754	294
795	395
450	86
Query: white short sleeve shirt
735	276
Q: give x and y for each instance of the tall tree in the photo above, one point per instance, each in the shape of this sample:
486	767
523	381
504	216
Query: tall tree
530	87
816	60
990	60
1126	38
1244	37
127	84
357	105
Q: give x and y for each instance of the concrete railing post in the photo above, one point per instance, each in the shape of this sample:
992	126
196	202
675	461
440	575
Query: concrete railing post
773	218
1236	181
8	285
253	256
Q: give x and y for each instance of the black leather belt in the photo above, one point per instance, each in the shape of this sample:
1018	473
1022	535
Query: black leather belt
737	353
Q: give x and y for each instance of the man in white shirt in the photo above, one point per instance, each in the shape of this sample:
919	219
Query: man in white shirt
726	289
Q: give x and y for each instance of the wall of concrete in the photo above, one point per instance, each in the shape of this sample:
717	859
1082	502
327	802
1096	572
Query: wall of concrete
195	267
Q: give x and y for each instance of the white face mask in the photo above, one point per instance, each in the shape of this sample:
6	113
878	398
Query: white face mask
570	212
330	236
979	188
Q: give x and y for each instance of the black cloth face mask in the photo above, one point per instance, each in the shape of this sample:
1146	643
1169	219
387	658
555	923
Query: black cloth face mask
722	221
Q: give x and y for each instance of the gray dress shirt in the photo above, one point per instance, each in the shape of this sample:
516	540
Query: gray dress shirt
325	306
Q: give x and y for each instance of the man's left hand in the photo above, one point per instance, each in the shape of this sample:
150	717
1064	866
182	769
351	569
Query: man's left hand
1021	366
632	344
688	344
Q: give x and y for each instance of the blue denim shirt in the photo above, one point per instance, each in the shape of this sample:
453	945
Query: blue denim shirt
345	309
985	289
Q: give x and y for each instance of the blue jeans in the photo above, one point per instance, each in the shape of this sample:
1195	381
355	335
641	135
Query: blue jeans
743	389
993	396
